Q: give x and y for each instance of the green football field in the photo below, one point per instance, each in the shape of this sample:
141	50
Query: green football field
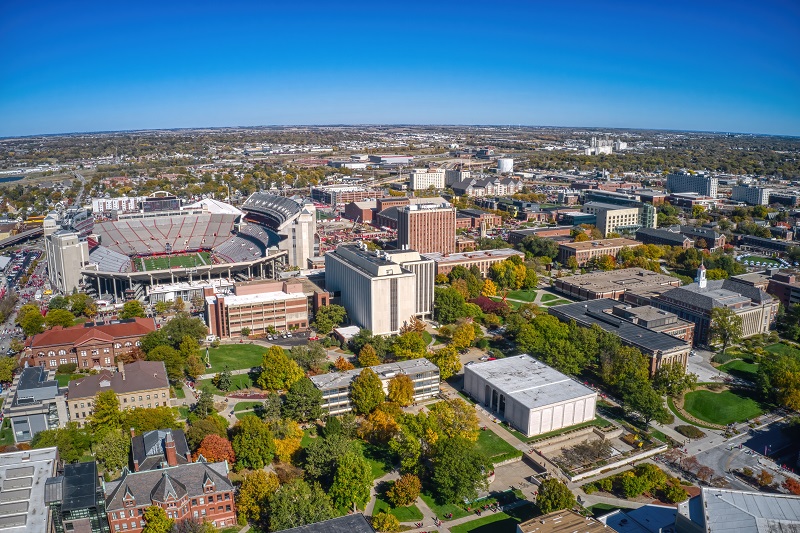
172	261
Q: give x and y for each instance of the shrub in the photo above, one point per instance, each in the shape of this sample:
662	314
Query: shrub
590	488
747	472
605	484
69	368
722	358
690	431
675	493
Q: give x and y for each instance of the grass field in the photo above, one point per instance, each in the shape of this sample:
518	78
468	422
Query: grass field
741	369
238	382
6	434
721	408
761	259
783	349
549	298
64	379
380	459
495	448
556	302
172	261
404	514
245	406
234	356
598	421
505	522
442	510
522	295
180	393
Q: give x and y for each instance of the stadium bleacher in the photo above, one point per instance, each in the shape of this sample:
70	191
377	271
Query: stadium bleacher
109	260
275	209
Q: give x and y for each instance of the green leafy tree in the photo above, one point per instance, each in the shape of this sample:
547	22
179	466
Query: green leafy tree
448	361
273	405
7	367
59	317
106	415
252	443
448	305
188	347
401	390
368	357
173	361
409	345
202	428
132	309
298	503
640	397
30	319
385	523
459	471
82	304
779	379
252	500
366	392
278	372
554	496
726	327
672	380
223	380
329	317
183	325
205	404
58	302
245	331
112	450
352	482
322	456
143	419
156	521
303	401
153	340
162	307
194	368
72	442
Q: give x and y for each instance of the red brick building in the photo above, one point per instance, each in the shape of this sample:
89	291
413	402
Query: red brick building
200	491
87	345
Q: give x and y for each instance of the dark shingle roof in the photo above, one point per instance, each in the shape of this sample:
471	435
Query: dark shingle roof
139	375
148	448
354	523
717	293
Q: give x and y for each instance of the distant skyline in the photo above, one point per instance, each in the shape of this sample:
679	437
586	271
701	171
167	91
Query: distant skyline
702	65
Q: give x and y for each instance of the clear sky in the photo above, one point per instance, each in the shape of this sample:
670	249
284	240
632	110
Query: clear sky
70	66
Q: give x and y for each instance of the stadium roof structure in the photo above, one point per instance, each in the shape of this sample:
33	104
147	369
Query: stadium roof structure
215	207
277	209
530	382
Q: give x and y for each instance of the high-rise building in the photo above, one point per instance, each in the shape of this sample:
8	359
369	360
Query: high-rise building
751	194
699	183
427	228
66	256
381	291
421	179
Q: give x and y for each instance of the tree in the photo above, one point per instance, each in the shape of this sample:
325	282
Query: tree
641	397
173	361
72	441
156	521
705	473
379	426
132	309
448	361
409	345
554	496
278	372
252	443
385	523
107	415
779	379
144	419
162	307
82	304
201	429
572	263
245	331
215	449
459	471
463	336
188	347
764	478
401	390
343	365
792	485
455	418
183	325
489	288
352	482
112	450
58	302
31	321
367	356
671	379
366	392
404	491
322	456
153	340
328	317
252	500
448	305
223	380
7	367
59	317
303	401
194	368
298	503
726	326
310	357
179	305
205	404
272	407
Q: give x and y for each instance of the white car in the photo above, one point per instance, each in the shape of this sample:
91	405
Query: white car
485	358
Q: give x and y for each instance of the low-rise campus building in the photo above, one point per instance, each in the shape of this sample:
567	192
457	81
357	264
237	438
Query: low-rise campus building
483	259
530	395
35	405
335	386
138	384
585	251
615	284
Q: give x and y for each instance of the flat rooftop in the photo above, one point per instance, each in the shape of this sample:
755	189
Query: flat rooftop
529	381
735	511
23	476
336	380
565	521
261	297
626	278
604	243
473	256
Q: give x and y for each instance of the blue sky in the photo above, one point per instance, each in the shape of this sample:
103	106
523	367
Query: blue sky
700	65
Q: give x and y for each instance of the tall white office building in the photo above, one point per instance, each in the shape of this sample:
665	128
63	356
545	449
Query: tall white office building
699	183
66	256
750	194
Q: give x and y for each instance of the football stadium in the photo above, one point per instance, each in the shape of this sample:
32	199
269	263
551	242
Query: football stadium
167	243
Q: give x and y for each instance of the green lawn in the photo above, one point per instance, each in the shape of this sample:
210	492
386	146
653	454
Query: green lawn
179	393
495	448
599	509
599	422
235	356
245	406
184	412
380	459
522	295
307	439
244	414
549	297
238	382
741	369
404	514
556	302
442	510
427	337
6	434
166	262
64	379
721	408
783	349
505	522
